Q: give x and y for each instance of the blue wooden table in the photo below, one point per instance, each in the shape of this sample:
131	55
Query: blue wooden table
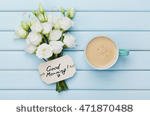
125	21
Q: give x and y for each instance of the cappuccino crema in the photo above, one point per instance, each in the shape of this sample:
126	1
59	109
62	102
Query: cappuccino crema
101	52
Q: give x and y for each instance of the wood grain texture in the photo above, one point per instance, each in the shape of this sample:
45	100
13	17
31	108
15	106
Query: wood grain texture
127	39
89	80
76	94
90	20
127	22
137	60
81	5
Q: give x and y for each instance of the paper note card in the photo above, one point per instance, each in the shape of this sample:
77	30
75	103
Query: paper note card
57	70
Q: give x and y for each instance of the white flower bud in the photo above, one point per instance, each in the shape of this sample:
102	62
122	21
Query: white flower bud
20	32
25	25
69	40
30	49
70	13
46	18
41	9
44	51
35	13
62	10
41	17
34	38
55	35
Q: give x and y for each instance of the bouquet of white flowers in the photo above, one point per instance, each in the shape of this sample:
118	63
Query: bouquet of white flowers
47	35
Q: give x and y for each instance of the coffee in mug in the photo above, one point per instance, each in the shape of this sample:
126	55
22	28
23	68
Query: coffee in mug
101	52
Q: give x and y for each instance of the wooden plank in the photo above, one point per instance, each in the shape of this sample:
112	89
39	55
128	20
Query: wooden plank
127	40
93	5
99	80
100	20
137	60
75	94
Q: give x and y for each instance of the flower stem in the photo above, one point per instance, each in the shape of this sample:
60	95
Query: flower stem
61	86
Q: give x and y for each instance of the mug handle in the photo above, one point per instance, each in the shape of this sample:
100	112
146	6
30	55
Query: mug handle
123	52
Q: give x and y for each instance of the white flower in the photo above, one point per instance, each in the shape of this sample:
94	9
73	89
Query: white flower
69	40
56	49
56	26
47	27
59	43
65	23
44	51
28	41
30	49
34	38
20	32
50	18
57	46
56	21
55	35
36	27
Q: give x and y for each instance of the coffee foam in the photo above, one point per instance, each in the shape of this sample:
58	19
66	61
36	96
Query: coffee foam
101	52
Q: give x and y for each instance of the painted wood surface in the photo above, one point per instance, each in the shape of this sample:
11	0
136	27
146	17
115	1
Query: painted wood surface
91	80
76	94
89	20
80	5
131	40
127	22
20	60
